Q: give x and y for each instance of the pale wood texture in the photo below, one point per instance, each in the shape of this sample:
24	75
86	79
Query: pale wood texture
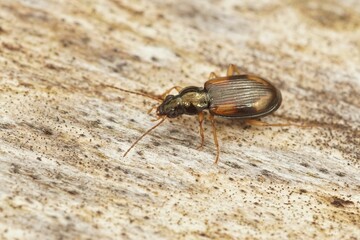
62	174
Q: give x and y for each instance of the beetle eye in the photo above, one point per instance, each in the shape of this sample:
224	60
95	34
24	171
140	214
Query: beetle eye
168	98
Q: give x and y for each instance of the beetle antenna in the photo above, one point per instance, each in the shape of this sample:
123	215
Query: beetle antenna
154	97
144	134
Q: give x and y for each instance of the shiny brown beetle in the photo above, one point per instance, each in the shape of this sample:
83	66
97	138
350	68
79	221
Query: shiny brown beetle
238	95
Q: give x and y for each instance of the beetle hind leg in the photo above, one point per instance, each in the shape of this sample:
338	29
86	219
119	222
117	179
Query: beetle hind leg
234	70
254	122
212	120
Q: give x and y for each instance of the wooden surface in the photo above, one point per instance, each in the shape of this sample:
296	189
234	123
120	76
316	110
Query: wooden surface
62	174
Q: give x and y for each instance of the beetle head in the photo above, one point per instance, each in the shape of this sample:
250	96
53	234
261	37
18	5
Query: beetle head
170	107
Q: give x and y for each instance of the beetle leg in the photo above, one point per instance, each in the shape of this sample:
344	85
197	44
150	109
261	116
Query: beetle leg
201	119
211	117
255	122
233	69
155	119
169	90
151	109
213	75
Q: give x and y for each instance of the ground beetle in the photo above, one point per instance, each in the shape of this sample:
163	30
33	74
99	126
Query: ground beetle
238	95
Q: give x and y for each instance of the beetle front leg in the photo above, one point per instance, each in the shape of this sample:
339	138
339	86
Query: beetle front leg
162	96
254	122
177	88
234	69
151	109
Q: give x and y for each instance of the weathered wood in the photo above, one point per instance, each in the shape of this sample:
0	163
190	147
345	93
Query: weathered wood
62	173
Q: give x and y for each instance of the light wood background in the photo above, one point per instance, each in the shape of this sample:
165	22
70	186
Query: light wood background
62	174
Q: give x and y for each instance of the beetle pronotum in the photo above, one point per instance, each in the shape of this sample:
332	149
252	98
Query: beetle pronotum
238	95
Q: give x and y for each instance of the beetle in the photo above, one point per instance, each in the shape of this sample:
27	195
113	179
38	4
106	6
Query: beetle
238	95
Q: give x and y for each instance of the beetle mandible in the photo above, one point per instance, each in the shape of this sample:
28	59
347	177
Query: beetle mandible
237	95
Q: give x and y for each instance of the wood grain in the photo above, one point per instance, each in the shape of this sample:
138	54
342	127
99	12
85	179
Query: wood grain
62	136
